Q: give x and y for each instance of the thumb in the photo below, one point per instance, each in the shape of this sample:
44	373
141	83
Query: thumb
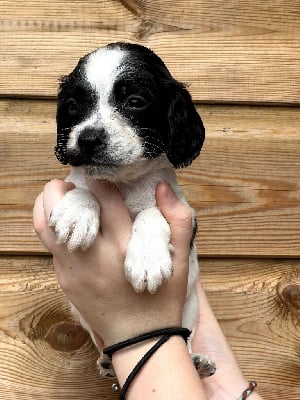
177	214
54	191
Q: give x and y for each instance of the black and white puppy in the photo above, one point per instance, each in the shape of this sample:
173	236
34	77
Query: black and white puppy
122	117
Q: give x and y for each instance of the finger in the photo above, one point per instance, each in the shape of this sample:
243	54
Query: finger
40	224
39	218
54	191
178	215
115	219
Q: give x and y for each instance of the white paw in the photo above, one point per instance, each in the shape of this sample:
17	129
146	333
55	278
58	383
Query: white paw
76	219
147	267
148	261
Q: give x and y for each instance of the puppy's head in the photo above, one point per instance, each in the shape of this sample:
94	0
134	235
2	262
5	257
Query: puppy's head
121	106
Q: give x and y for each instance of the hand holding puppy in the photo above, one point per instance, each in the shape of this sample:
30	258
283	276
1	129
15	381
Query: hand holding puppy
94	280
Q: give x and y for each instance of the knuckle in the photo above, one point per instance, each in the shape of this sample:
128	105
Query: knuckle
185	217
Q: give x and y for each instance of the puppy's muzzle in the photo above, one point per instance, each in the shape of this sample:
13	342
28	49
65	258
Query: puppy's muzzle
90	149
91	142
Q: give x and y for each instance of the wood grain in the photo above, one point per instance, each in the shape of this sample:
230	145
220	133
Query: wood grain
45	354
248	166
257	305
244	187
229	52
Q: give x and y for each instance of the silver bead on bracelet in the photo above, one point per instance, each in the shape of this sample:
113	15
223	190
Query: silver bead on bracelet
115	387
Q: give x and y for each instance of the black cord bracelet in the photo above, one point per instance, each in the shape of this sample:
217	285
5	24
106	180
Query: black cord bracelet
165	334
183	332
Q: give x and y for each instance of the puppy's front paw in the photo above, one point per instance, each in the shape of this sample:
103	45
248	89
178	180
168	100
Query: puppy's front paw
76	219
148	261
147	267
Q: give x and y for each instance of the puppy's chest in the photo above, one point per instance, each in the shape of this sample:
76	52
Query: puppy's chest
140	194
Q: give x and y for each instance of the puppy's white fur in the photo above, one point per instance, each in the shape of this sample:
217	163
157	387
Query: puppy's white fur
123	143
76	221
76	218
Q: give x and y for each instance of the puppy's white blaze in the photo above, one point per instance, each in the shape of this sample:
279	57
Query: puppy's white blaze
101	69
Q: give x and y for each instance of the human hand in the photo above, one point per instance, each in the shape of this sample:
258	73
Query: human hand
94	280
228	382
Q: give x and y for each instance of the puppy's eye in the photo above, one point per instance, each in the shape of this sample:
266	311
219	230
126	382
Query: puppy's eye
136	102
72	107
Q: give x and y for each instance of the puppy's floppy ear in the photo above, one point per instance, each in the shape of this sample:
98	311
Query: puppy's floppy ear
187	132
63	129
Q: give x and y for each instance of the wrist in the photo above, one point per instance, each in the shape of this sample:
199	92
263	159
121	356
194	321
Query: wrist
137	327
141	348
126	359
221	387
169	372
225	389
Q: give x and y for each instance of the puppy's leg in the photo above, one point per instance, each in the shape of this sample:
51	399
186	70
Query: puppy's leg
204	366
148	261
76	219
104	362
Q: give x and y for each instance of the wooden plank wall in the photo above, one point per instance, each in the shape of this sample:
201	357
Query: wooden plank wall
241	61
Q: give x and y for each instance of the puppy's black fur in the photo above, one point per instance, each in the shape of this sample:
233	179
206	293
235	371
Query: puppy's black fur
122	117
157	106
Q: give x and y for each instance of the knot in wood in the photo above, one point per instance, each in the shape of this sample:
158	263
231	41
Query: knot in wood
67	336
290	293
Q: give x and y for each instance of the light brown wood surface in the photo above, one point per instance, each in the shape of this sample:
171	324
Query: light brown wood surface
45	354
226	51
244	187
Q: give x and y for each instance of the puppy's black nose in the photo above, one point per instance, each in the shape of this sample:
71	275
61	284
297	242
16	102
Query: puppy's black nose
90	139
